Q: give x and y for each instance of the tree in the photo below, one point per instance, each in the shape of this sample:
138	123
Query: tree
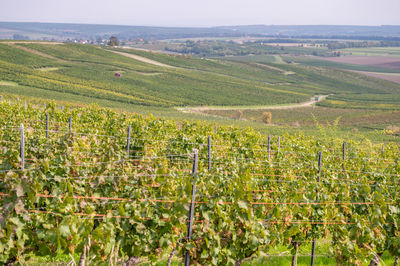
114	41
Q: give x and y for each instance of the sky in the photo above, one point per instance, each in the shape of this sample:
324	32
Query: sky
200	13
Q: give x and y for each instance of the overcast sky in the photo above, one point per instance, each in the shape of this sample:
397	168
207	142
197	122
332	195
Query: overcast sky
204	12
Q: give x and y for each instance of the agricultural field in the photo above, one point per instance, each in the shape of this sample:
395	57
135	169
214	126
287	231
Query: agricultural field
165	84
126	187
378	62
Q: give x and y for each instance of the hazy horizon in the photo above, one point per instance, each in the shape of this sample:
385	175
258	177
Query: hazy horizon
208	13
224	25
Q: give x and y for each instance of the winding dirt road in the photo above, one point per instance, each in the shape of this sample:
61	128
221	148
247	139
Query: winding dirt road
202	109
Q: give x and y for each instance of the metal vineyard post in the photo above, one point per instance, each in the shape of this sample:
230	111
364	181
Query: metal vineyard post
128	139
343	154
191	208
209	152
22	148
318	179
344	151
269	147
319	165
279	143
70	124
47	125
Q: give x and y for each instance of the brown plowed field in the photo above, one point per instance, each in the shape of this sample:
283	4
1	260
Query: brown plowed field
379	61
386	76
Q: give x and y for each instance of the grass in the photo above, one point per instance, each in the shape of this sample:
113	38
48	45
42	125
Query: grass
8	83
281	256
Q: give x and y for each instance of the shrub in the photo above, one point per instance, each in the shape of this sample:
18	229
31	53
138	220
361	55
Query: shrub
267	117
392	130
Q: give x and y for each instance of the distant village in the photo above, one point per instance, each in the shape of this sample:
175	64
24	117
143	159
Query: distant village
97	40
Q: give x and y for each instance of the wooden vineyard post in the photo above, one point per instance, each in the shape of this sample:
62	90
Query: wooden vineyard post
70	124
26	105
318	179
22	149
1	98
191	207
269	147
209	152
128	140
62	108
44	105
215	129
17	99
47	125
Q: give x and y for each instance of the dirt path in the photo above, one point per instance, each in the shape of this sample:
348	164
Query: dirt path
274	68
142	59
202	109
33	51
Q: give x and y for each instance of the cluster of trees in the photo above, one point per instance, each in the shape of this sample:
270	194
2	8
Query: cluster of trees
20	37
114	41
231	48
363	44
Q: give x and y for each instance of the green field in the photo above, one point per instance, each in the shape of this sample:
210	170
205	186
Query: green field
82	74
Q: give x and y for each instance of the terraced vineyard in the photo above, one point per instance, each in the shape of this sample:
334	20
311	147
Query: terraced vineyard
164	85
84	185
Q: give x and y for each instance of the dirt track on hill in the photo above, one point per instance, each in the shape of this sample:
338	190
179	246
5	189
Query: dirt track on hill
142	59
202	109
33	51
